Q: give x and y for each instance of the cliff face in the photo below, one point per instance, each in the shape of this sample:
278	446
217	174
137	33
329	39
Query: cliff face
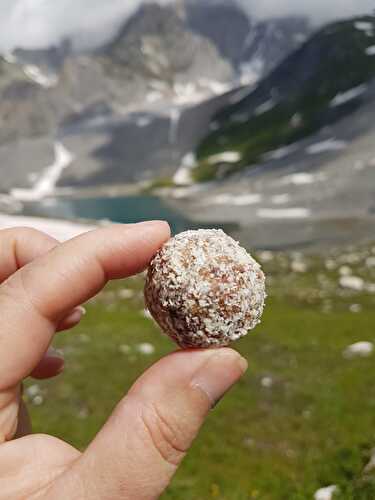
327	79
164	63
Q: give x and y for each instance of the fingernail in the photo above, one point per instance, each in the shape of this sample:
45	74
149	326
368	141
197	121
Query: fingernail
54	353
75	316
150	223
219	373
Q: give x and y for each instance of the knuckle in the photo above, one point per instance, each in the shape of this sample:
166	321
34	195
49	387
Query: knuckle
9	409
9	290
167	436
22	232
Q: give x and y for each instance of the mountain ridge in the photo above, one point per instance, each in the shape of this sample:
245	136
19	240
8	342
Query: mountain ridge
298	97
156	67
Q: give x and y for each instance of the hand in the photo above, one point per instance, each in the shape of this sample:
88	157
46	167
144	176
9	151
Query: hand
136	453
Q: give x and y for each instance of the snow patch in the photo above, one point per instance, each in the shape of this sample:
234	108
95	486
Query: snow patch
240	117
370	51
367	27
285	213
251	72
9	58
296	120
184	192
347	96
300	38
47	182
154	96
225	157
61	230
279	154
175	115
280	199
36	75
183	175
239	95
214	86
327	145
266	106
143	121
235	200
186	93
302	178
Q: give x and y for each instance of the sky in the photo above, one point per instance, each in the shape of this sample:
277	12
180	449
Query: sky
40	23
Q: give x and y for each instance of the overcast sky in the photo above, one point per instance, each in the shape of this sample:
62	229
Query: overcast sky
37	23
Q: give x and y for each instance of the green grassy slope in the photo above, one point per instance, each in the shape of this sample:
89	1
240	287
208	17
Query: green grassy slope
313	426
333	61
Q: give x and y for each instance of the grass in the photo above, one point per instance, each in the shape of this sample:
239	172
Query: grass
314	426
158	183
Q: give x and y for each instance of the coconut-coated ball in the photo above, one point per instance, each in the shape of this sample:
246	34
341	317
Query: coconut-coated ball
204	289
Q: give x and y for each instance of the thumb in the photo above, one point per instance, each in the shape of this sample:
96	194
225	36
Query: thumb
139	449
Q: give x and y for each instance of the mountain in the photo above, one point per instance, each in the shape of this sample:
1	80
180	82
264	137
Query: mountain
328	78
224	23
153	57
157	83
156	44
270	42
49	60
253	47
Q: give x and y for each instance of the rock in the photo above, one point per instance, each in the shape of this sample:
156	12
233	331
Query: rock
355	308
145	348
345	271
371	464
266	382
124	348
298	266
359	349
370	262
266	256
330	264
38	400
352	282
326	493
126	293
33	390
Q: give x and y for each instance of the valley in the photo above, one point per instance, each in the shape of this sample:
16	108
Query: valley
266	132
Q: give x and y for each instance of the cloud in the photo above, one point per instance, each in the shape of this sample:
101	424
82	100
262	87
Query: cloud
318	10
39	23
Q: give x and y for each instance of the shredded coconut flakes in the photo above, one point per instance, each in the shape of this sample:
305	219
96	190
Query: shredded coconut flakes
204	289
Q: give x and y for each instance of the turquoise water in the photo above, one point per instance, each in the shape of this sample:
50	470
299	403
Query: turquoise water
128	209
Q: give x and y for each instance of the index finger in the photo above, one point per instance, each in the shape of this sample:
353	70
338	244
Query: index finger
35	299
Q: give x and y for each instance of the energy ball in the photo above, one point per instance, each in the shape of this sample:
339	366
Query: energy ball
204	289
